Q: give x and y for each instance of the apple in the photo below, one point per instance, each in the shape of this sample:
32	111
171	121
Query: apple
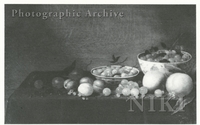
98	86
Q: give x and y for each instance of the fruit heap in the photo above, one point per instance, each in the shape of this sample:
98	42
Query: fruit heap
87	87
168	56
154	81
83	87
115	71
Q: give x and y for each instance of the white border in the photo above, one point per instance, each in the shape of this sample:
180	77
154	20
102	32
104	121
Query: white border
2	46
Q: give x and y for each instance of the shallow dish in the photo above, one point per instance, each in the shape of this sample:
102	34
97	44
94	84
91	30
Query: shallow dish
114	79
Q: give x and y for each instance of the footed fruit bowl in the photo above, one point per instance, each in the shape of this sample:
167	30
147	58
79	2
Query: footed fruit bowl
169	59
114	73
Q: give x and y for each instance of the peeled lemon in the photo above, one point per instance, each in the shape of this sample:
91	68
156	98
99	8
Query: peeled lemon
153	79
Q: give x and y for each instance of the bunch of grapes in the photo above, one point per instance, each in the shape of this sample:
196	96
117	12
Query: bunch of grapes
130	88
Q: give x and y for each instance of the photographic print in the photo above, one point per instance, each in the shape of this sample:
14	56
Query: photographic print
100	64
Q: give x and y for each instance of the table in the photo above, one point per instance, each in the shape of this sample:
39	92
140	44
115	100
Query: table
29	105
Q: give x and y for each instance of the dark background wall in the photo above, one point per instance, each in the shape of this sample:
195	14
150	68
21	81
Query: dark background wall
52	44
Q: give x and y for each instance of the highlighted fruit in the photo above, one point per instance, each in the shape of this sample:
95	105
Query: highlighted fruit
119	90
179	84
158	93
153	79
143	91
106	91
58	82
133	72
85	89
135	92
96	72
124	81
98	86
126	91
114	71
133	84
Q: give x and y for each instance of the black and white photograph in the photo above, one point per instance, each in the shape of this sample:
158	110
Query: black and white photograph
100	64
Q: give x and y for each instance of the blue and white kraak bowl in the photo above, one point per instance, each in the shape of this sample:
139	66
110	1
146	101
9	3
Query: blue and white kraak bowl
147	65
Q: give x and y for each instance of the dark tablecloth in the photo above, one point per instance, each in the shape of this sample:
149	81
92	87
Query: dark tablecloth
29	105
